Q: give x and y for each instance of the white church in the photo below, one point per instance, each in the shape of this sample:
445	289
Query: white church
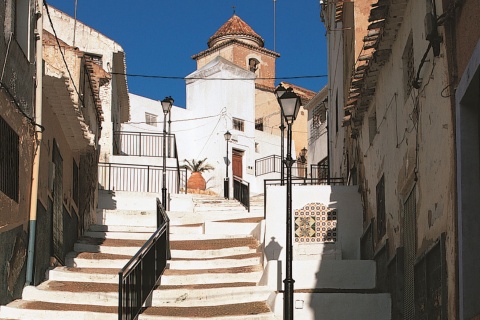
245	107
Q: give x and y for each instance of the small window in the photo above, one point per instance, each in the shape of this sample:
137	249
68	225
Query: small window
9	161
408	67
75	190
22	24
97	59
253	64
259	124
238	124
151	119
381	216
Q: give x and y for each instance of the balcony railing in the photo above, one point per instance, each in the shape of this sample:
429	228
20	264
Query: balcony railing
241	192
140	178
142	273
267	165
143	144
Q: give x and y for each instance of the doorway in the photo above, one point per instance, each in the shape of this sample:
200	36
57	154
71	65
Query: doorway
237	163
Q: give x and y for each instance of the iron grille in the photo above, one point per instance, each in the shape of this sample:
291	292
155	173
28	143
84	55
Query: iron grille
381	218
9	160
409	217
430	284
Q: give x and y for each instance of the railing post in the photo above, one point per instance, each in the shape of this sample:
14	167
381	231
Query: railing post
140	144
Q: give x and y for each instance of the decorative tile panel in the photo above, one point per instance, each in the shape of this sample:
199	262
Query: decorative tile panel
315	223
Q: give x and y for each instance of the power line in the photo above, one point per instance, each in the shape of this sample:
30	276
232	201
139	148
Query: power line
204	78
61	52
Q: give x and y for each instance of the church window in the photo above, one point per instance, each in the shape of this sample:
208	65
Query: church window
238	124
253	64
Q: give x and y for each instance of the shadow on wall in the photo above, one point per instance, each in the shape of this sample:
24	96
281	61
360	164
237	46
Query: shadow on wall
273	250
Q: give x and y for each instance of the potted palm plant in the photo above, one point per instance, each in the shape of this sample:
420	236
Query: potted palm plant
196	180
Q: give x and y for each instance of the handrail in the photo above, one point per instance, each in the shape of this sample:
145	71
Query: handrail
268	164
139	277
241	191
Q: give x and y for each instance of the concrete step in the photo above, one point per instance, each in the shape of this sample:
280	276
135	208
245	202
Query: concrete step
188	297
102	275
136	218
101	294
226	262
213	248
110	246
122	228
238	311
39	310
202	276
96	260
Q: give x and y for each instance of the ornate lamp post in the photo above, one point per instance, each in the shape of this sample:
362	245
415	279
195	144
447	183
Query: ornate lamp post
290	104
279	91
226	183
166	106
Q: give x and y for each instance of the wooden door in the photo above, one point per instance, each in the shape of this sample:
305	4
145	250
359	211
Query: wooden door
237	166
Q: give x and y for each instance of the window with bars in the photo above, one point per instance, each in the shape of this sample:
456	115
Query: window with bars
319	116
151	119
97	59
238	124
9	161
430	283
381	217
75	191
408	67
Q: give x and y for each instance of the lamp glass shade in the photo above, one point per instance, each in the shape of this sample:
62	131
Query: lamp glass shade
290	104
167	104
227	135
303	152
279	91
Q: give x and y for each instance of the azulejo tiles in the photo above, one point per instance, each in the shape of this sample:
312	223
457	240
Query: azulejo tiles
315	223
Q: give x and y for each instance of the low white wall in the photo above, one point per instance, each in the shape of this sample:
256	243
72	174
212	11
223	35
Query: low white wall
345	199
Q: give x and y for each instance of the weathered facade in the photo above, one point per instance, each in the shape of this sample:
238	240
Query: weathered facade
407	134
17	135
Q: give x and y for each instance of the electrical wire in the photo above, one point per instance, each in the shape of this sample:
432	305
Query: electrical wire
61	52
205	78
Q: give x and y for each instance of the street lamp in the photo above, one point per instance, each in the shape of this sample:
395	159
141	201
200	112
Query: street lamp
166	106
226	183
279	91
290	104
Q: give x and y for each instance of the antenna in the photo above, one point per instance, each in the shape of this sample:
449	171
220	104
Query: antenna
233	7
275	25
75	25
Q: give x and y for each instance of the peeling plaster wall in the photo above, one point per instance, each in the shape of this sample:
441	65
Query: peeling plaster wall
16	103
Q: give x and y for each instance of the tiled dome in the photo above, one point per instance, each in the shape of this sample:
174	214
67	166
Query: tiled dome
235	28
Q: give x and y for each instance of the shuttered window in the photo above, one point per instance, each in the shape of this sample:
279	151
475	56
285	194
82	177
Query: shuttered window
9	160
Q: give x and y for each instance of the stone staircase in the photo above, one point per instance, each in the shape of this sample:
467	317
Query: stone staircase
214	272
217	270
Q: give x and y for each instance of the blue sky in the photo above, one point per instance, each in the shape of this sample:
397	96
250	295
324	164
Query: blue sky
160	36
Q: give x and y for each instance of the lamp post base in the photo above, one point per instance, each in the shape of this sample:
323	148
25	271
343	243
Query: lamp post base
288	299
226	188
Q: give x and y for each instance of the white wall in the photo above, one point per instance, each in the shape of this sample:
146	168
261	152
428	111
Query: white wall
345	199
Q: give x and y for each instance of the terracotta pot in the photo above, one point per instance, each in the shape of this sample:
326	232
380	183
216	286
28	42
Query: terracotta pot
196	181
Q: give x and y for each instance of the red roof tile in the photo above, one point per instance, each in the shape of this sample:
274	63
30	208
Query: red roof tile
235	27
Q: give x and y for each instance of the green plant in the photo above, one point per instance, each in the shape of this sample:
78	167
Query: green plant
198	166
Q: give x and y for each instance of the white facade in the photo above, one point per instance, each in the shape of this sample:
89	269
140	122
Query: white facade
317	127
212	106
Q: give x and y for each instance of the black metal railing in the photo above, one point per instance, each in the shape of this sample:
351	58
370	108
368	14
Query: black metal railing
139	277
319	171
144	144
241	192
139	178
298	182
267	165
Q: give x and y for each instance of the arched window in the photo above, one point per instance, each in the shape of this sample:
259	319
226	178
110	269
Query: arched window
253	64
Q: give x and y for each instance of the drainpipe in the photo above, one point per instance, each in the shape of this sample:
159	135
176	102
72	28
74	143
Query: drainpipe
37	143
